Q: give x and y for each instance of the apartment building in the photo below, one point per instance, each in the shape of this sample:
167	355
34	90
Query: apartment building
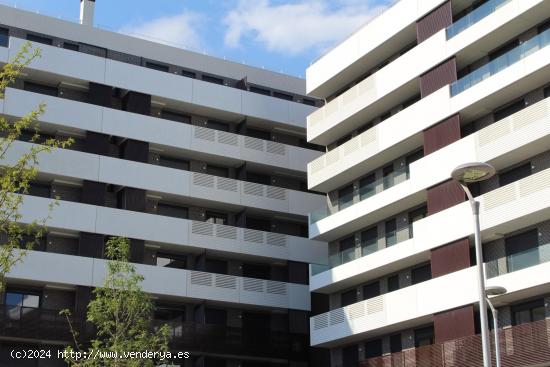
200	162
422	88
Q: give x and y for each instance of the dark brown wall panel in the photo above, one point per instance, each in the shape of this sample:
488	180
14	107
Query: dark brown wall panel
450	258
454	324
441	134
443	74
438	19
137	103
94	193
444	196
132	199
135	150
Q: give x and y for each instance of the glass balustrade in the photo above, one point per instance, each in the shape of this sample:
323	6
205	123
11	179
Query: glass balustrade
518	261
511	57
361	193
474	16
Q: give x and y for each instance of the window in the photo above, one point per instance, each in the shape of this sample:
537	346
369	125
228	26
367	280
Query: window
258	178
522	250
347	249
263	91
515	174
216	218
215	266
155	66
173	163
413	157
280	95
424	336
391	232
344	139
39	189
345	197
371	290
528	312
4	37
172	210
175	116
212	79
544	27
217	125
367	186
171	261
217	171
39	39
508	110
373	348
421	274
393	283
40	88
22	299
348	298
70	46
350	356
188	74
259	134
388	176
369	241
547	92
395	343
364	128
216	317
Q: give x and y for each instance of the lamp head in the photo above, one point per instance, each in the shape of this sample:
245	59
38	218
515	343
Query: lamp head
495	290
473	172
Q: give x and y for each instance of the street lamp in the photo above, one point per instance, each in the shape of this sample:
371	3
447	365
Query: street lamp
495	291
465	174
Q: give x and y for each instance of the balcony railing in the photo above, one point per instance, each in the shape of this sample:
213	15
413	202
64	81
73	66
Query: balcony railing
497	65
518	261
362	193
342	257
34	323
473	17
521	345
213	338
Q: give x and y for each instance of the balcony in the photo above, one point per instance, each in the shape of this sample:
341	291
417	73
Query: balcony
475	16
71	216
162	181
69	270
398	80
520	345
221	339
34	323
233	103
164	134
503	62
360	194
518	261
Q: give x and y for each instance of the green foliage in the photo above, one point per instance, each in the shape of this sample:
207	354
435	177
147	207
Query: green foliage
16	175
121	313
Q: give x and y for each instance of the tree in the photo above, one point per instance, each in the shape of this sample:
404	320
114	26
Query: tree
15	178
121	313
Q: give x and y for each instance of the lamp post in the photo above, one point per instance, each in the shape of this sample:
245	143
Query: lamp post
495	291
465	174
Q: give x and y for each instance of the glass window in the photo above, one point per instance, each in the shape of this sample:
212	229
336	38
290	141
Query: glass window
309	102
155	66
174	163
371	290
424	336
39	39
391	232
345	197
522	250
515	174
395	343
172	210
258	90
175	116
503	49
4	37
70	46
421	274
217	125
415	215
529	312
348	298
217	171
369	241
259	134
212	79
393	283
547	92
188	74
40	88
216	218
508	110
280	95
21	299
388	176
367	186
373	348
347	249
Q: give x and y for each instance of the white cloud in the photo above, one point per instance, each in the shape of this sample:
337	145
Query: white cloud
178	30
299	26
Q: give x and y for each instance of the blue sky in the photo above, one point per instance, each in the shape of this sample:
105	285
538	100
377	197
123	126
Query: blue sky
280	35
